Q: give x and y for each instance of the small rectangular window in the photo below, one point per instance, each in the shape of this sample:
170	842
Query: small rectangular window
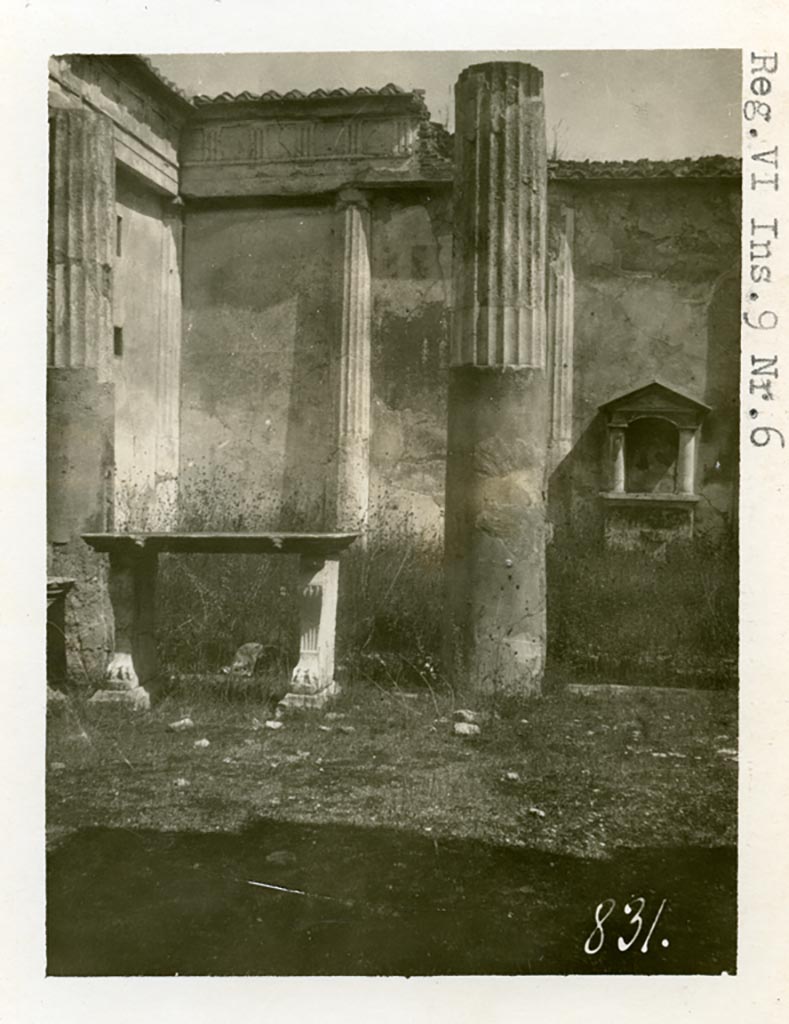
117	341
119	236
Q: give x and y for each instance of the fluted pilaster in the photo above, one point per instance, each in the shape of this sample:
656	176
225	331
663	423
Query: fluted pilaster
561	326
81	238
168	378
500	217
353	364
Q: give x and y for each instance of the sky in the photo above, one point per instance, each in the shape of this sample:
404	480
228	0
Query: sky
600	104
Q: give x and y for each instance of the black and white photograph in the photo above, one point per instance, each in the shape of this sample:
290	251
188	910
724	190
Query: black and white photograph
399	418
392	463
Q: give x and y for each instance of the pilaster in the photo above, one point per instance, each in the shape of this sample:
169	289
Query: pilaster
352	483
561	327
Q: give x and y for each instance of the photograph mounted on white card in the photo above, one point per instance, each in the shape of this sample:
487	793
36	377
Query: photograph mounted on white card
455	336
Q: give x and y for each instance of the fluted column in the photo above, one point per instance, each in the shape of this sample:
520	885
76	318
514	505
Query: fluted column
80	392
500	217
498	416
352	483
82	232
561	326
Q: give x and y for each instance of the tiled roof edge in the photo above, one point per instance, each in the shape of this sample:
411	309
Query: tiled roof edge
316	94
689	167
148	67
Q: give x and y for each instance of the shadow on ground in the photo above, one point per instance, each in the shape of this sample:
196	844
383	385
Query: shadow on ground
376	901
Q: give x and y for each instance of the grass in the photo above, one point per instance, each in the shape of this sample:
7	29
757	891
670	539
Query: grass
571	774
624	616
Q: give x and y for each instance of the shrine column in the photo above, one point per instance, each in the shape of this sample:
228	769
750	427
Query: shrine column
617	443
499	403
352	373
686	462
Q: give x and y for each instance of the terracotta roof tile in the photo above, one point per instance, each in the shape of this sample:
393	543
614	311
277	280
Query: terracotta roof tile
317	94
701	167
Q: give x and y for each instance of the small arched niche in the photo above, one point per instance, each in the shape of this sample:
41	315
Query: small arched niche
651	447
651	463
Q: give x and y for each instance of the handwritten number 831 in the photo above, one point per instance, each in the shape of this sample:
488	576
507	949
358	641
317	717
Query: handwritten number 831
604	910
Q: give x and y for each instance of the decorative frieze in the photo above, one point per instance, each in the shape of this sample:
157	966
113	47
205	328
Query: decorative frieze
276	140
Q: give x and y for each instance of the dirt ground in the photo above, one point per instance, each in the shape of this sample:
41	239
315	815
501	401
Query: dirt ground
372	840
569	774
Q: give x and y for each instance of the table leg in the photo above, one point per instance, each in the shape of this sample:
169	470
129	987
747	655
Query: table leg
132	667
312	682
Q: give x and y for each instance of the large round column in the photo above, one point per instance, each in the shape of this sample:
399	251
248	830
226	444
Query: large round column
80	392
82	230
498	389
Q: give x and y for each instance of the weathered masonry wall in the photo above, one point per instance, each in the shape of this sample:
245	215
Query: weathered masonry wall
656	293
656	266
257	428
262	288
113	323
411	270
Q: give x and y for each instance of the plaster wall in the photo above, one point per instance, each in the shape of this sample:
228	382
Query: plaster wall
142	336
257	415
656	296
411	270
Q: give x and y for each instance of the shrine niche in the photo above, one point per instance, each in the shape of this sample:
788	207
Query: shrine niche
653	435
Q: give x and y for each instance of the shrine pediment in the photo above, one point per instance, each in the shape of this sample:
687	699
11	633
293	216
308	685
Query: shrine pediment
655	399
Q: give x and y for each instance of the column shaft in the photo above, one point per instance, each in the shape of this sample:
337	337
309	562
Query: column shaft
500	217
81	234
498	389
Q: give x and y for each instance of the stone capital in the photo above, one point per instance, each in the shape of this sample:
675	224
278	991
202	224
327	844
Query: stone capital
352	197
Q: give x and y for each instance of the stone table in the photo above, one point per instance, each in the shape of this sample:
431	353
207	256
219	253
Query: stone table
132	587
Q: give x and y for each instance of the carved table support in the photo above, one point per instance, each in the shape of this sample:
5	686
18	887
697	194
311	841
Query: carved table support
132	587
312	682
